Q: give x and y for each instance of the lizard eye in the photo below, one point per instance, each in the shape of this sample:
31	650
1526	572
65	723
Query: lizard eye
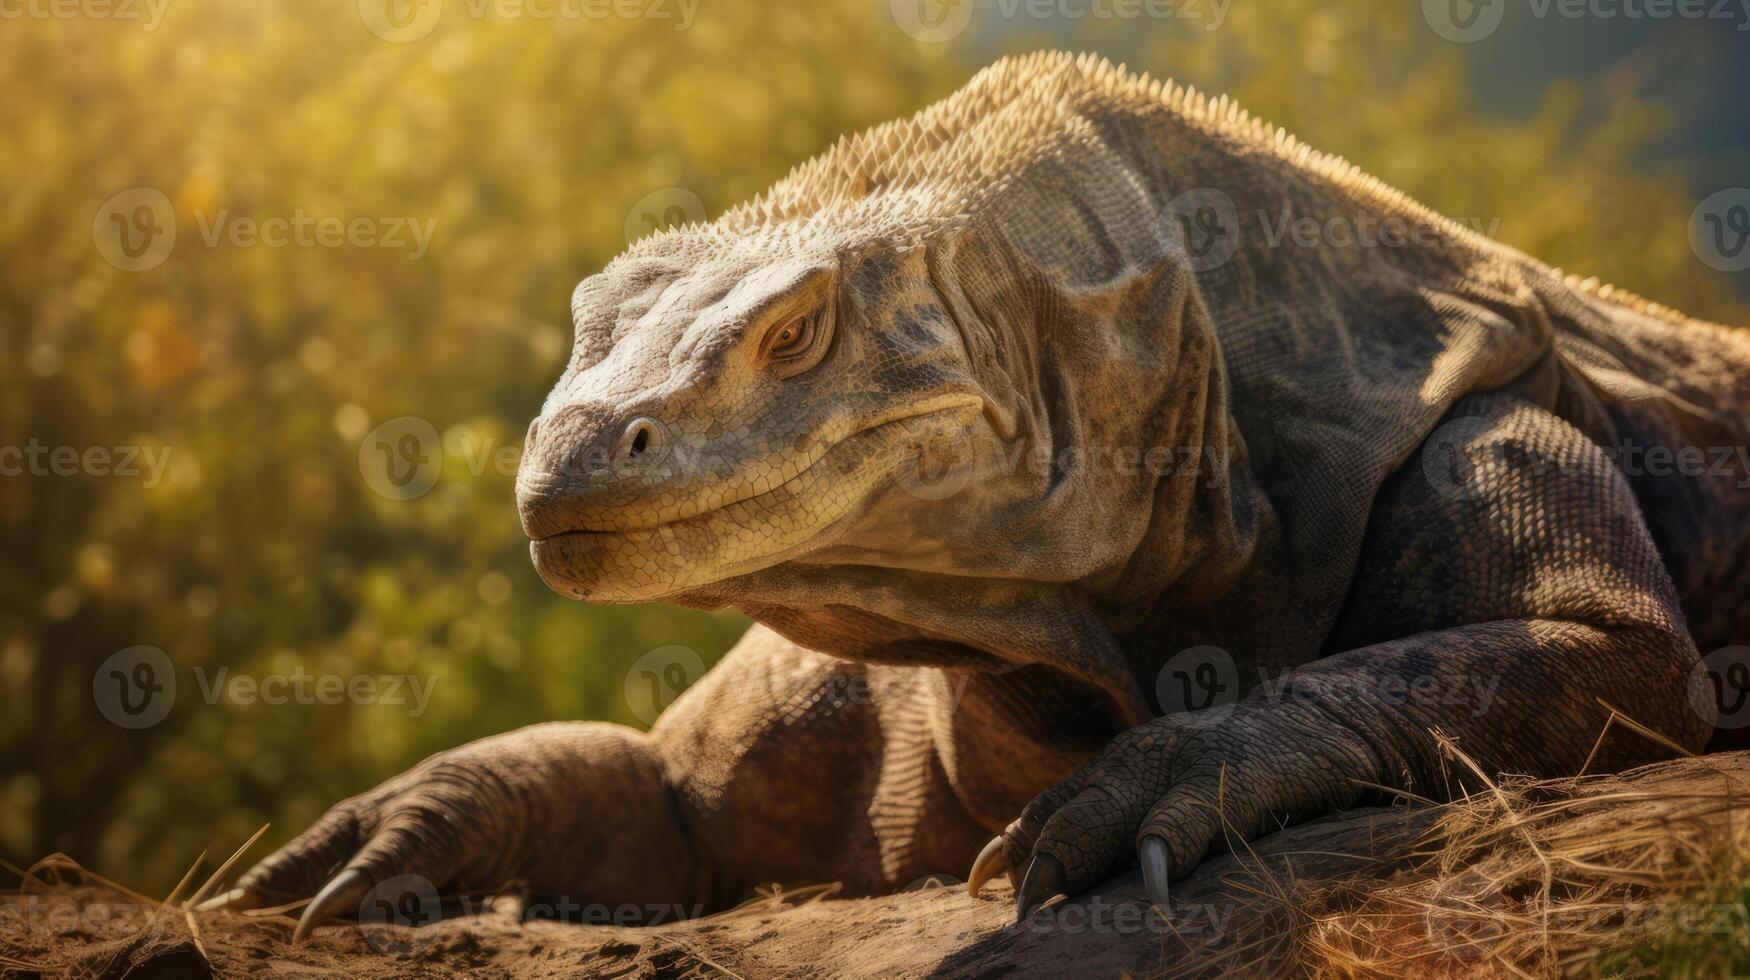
797	343
789	339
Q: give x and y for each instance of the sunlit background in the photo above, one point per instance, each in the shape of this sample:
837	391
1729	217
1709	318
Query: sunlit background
456	167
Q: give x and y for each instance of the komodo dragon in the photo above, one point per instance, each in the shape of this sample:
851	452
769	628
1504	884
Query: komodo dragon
1016	427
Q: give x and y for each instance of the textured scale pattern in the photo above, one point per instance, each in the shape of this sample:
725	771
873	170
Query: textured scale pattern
1410	493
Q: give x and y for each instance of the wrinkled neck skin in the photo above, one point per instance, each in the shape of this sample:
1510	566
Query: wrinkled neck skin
1095	337
1106	473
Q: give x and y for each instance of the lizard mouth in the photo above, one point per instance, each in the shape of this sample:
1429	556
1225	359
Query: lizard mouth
651	562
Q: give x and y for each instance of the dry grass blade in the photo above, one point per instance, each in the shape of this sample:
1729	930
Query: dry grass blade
219	875
704	960
61	862
1617	715
776	897
276	909
174	892
1533	878
194	933
23	875
1402	793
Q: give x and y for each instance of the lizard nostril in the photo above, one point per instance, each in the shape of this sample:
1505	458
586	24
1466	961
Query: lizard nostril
642	435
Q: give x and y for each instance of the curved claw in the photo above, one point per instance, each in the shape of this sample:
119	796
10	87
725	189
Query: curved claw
235	900
1156	860
346	891
992	859
1044	879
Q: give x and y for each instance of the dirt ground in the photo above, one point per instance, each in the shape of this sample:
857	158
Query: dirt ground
1518	879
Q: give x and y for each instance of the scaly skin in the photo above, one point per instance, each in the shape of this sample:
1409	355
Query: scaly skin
901	408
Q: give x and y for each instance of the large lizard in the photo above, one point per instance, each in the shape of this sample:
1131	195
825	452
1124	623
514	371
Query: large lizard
1019	432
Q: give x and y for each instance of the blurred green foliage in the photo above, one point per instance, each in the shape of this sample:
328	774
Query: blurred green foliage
528	142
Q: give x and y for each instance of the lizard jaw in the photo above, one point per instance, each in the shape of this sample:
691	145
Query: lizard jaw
654	563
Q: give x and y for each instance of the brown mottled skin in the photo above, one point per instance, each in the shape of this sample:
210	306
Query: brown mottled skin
1399	502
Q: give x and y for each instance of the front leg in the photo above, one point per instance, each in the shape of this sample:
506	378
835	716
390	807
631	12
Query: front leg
576	810
781	765
1523	592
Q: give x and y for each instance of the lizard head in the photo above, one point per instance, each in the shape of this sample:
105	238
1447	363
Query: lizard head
734	405
946	394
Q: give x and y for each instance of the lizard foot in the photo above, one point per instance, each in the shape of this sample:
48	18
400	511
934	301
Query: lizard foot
1169	792
569	810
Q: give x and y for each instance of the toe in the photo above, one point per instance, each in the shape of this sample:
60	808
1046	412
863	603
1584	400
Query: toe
1044	881
993	859
296	870
235	900
1181	829
344	893
1156	861
1093	834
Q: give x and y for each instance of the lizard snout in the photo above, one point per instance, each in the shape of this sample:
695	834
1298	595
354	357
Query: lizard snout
583	467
